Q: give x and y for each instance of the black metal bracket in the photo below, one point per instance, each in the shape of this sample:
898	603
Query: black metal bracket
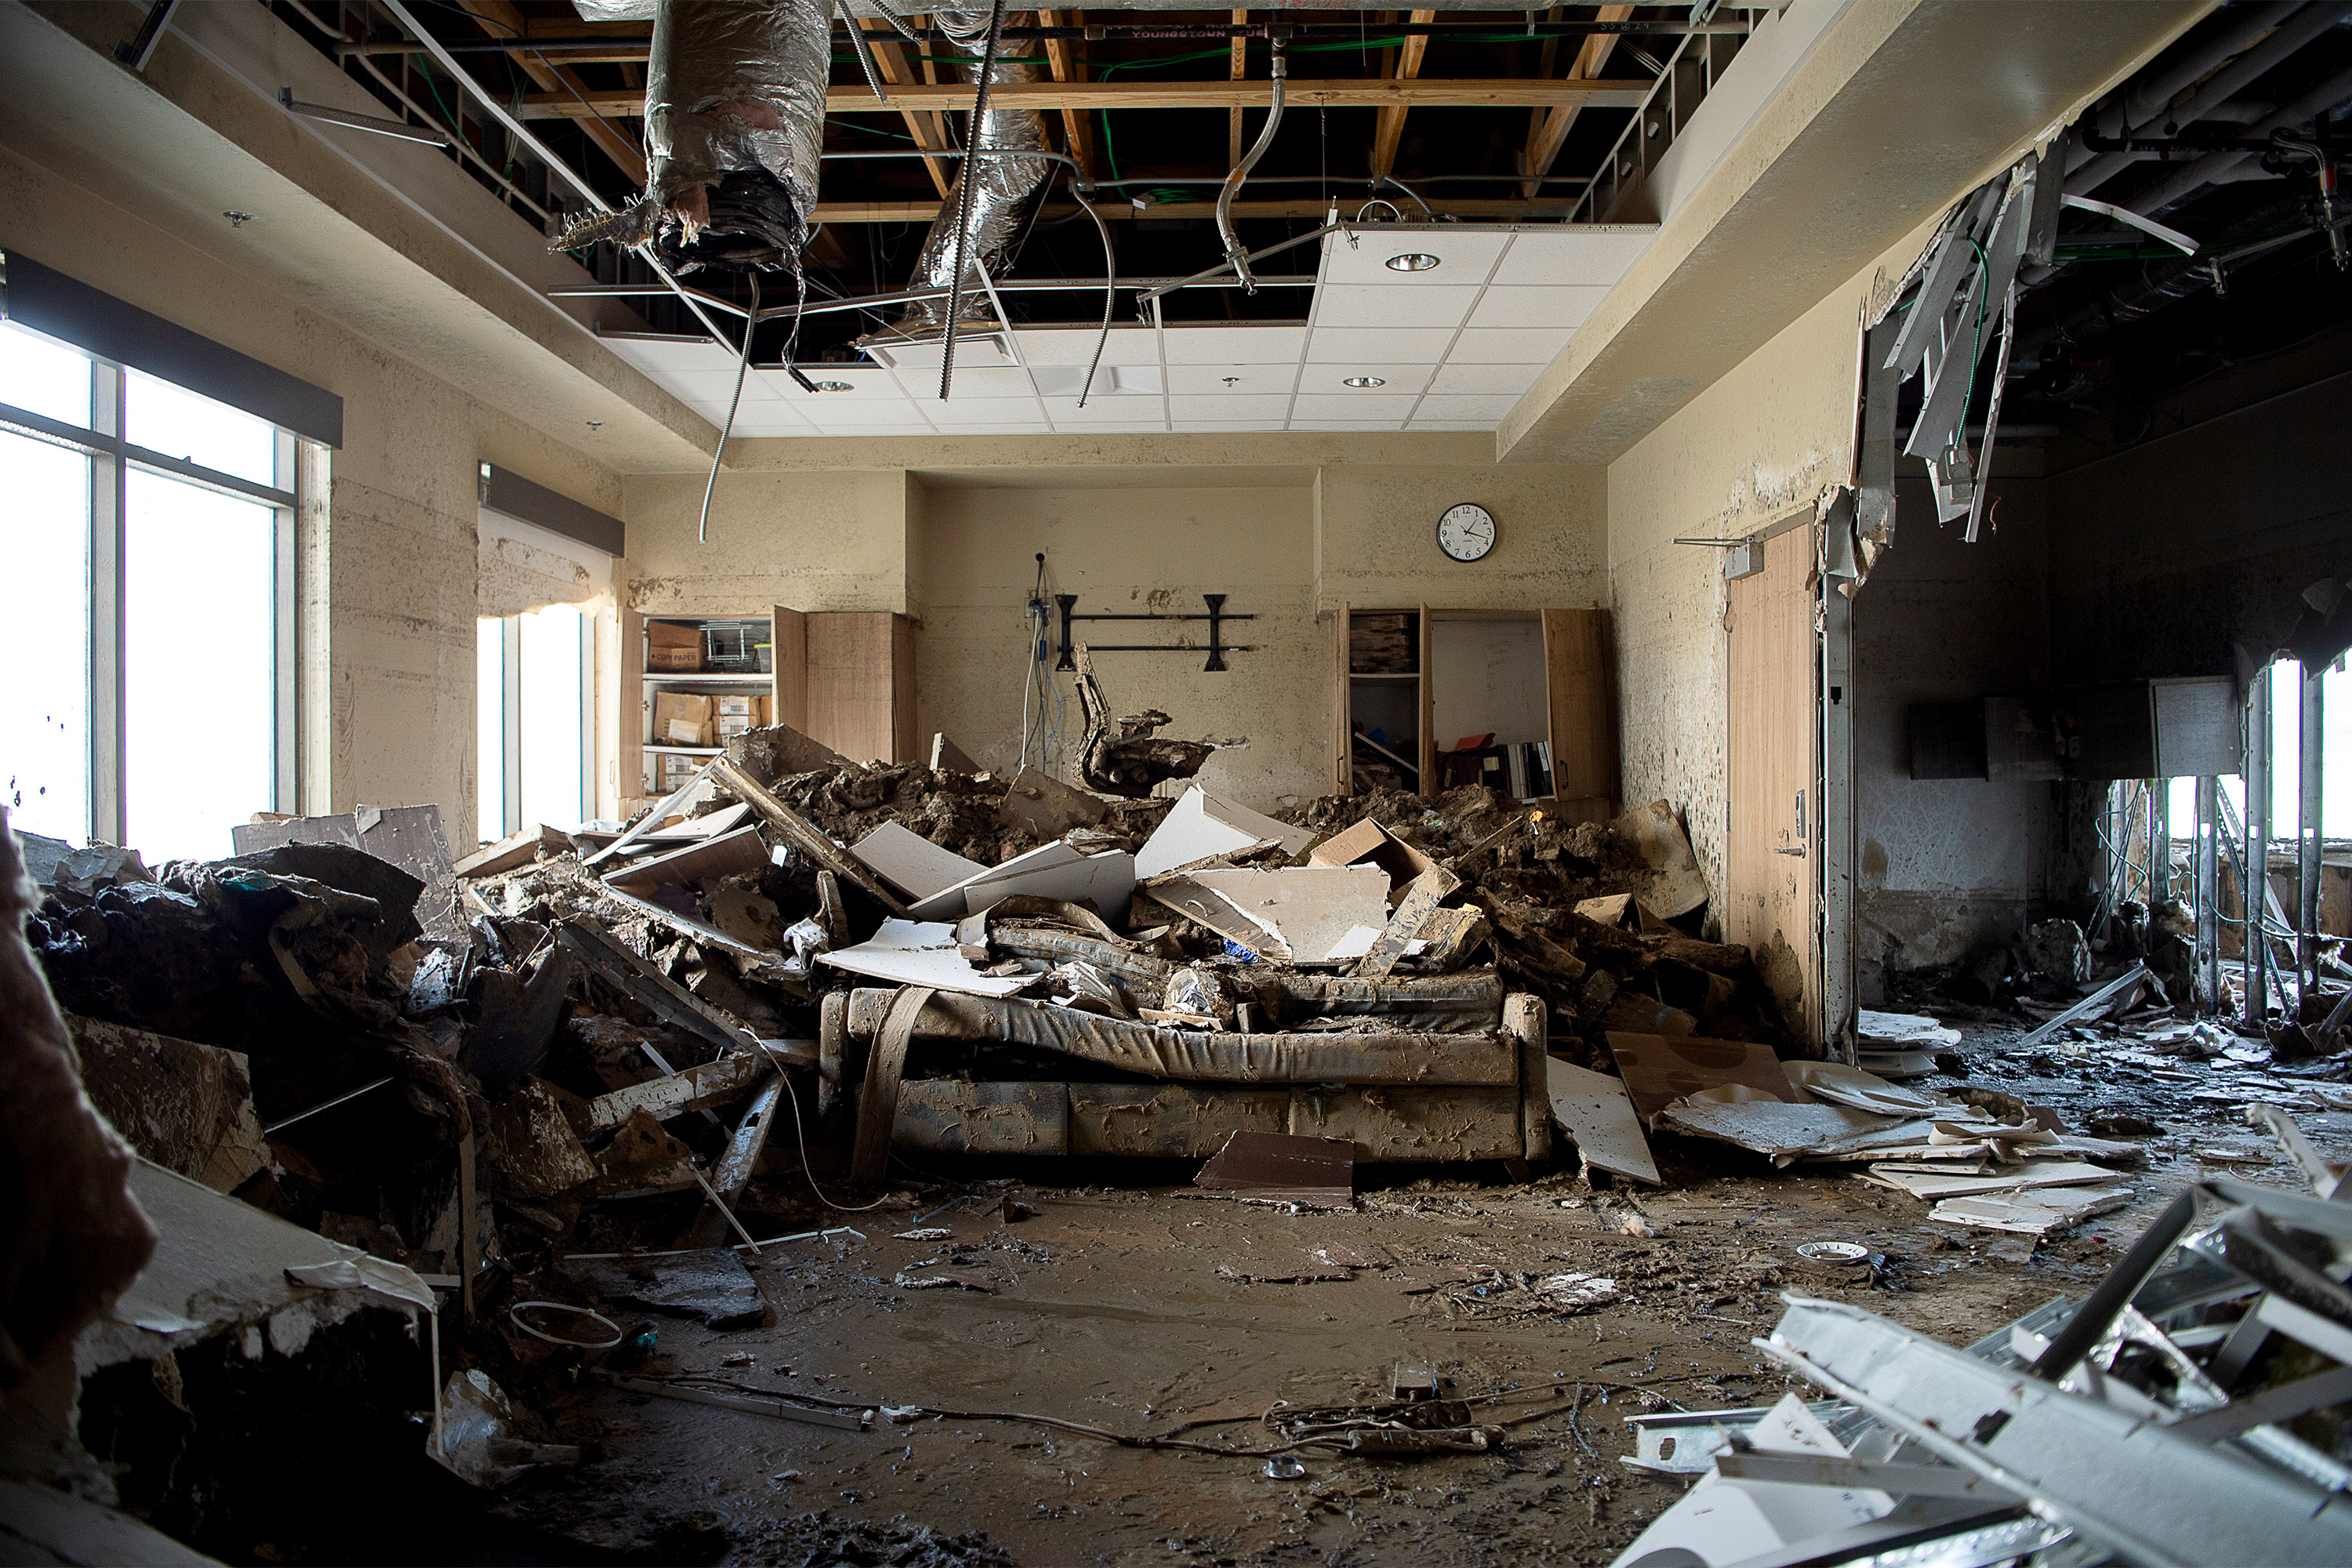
1216	617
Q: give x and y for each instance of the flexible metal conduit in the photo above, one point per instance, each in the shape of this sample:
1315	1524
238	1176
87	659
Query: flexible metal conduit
1232	187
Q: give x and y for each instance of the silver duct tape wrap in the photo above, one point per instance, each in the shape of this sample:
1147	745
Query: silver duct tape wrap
733	85
1003	185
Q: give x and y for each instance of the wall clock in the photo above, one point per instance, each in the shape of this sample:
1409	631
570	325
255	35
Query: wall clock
1466	533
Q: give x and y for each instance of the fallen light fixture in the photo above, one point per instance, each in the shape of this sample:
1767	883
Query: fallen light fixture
1413	261
807	386
1364	381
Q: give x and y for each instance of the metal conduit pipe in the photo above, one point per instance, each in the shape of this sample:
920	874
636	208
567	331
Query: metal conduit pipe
2141	104
1001	185
2157	284
2256	55
2196	176
1234	254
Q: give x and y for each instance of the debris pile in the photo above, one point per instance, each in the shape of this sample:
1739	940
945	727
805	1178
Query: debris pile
2190	1408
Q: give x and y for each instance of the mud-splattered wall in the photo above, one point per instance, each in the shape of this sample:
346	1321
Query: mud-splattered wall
388	573
1377	529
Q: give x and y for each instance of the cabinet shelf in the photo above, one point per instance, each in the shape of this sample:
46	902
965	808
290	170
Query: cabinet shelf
686	751
712	678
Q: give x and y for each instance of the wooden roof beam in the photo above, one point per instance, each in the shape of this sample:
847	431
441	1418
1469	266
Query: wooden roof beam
1078	126
1547	133
1388	128
506	21
890	59
1478	92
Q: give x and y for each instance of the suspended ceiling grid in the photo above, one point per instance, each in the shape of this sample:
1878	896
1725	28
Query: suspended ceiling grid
1454	348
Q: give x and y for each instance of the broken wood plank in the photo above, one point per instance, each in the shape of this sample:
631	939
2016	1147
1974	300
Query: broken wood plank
733	1172
661	811
515	849
1420	901
802	835
694	1088
673	1003
2087	1006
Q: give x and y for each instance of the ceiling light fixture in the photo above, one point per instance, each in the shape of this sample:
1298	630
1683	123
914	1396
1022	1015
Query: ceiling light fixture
1363	381
1413	261
832	386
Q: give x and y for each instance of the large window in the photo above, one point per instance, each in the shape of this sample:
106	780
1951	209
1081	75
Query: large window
534	692
149	533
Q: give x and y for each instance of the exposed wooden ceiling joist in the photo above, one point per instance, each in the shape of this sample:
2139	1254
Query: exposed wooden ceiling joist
1474	209
1426	93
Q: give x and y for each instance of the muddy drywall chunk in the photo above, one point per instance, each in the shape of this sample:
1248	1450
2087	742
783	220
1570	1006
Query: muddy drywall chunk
187	1107
539	1153
1595	1110
1660	1069
710	1285
1673	885
1045	807
1284	1168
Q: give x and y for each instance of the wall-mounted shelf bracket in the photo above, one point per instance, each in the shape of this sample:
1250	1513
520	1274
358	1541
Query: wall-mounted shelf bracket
1216	617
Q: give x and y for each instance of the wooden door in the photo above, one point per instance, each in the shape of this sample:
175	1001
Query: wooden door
861	684
1581	691
788	640
1773	845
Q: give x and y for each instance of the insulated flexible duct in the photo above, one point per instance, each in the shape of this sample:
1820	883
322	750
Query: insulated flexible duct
1001	185
734	125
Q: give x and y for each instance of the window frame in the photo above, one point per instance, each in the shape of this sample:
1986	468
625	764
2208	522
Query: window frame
511	769
112	456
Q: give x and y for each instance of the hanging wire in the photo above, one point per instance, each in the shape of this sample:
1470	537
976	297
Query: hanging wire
964	193
742	367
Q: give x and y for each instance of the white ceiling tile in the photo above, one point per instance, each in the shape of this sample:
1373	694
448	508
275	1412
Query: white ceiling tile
654	358
1463	255
1234	345
1489	409
1450	425
976	382
1110	380
1496	346
1338	345
1129	345
1397	378
1513	379
1352	406
1248	379
867	411
1234	411
864	381
769	419
1561	307
985	411
1346	425
1147	412
704	385
1435	305
1574	253
1064	425
1035	427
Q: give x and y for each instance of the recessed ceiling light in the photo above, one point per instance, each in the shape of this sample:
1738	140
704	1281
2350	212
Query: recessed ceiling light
1413	261
1363	381
832	386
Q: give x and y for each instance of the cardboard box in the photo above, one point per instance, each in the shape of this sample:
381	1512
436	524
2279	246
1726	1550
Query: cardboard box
673	647
744	707
681	719
676	770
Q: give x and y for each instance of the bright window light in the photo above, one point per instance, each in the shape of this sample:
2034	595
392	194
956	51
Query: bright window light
45	702
2285	676
490	729
199	687
179	423
42	377
550	717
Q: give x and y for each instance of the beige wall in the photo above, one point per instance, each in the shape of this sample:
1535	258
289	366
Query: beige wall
822	539
1766	437
389	591
1377	537
1131	550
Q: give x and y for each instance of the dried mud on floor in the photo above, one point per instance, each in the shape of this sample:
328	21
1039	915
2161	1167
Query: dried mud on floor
1118	1308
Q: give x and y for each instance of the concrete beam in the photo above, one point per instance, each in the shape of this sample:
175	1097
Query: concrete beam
1901	106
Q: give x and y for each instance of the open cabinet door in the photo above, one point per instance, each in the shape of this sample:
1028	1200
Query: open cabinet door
1773	845
1580	690
788	634
1343	750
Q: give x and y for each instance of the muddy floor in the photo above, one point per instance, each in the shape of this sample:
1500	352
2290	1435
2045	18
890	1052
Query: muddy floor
1144	1310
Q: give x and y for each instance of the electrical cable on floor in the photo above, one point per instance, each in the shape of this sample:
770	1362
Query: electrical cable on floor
742	367
801	1133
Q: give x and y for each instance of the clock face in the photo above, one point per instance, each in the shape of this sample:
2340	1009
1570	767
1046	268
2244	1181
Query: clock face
1467	532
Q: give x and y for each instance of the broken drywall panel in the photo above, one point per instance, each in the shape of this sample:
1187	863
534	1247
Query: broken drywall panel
1104	883
709	1284
921	952
1768	1126
1306	914
515	849
2025	1177
1841	1085
912	863
1660	1068
736	854
1592	1109
54	864
1369	844
949	904
710	825
948	757
1673	885
220	1264
187	1107
1902	1031
1045	807
2039	1212
408	837
1201	825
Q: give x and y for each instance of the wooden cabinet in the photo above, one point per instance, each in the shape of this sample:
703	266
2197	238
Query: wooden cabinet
858	673
1410	683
